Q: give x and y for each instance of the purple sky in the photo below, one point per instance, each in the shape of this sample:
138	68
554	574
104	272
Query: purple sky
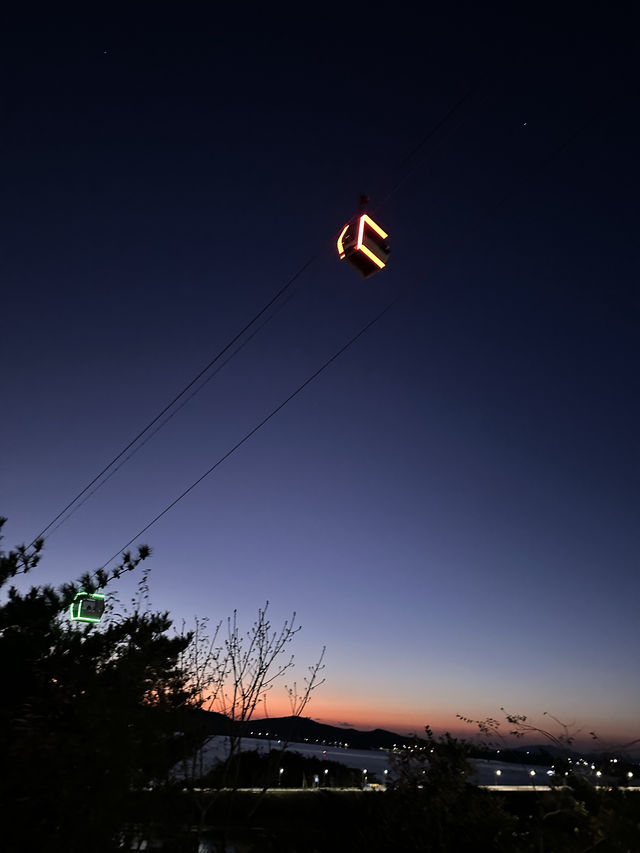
452	506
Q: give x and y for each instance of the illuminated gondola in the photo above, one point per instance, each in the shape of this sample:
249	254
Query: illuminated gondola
363	244
87	606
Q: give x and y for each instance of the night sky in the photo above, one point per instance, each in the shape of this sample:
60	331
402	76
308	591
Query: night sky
451	507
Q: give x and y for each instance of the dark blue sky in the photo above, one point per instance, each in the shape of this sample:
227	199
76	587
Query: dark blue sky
451	507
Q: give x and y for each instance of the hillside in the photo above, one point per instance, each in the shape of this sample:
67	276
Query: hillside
292	729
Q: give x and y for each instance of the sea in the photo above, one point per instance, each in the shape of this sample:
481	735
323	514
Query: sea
376	765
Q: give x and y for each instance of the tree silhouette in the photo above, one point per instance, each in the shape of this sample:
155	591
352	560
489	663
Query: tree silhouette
88	711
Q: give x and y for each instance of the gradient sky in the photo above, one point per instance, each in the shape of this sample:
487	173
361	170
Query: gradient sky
452	506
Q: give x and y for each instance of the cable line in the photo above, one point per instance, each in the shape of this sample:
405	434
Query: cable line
88	491
178	396
259	426
487	211
168	417
426	138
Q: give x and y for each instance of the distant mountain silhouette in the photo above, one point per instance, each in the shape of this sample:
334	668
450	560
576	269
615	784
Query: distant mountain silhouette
292	730
302	729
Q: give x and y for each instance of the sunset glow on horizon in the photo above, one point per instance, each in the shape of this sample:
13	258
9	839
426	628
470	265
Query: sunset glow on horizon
435	468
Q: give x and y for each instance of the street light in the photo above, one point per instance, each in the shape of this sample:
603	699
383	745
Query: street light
280	772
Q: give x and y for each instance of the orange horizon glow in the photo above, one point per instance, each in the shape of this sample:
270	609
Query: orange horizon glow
364	719
335	713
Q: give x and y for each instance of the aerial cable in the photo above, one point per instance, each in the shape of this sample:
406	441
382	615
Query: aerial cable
166	419
178	396
402	294
88	491
432	131
420	145
258	426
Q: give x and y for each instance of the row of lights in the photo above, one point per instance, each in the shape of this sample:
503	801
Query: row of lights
553	772
306	740
325	774
531	773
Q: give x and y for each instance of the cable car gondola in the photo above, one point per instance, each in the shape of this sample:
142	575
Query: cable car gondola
363	244
87	606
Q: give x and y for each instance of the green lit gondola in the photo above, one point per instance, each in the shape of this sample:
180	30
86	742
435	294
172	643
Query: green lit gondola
87	607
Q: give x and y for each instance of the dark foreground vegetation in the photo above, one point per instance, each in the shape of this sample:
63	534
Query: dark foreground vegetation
97	719
333	821
429	807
